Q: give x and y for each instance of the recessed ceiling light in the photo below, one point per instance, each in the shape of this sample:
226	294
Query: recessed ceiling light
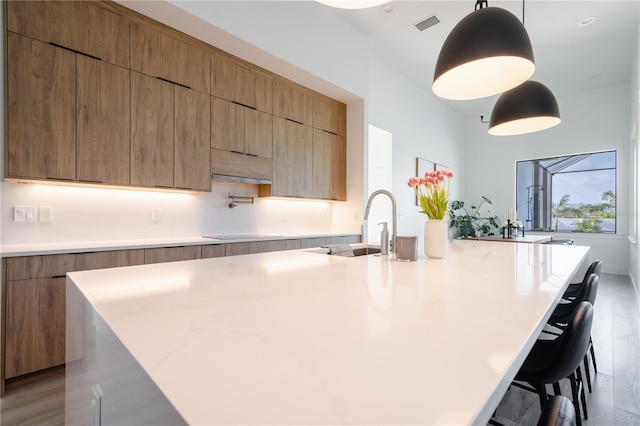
387	8
587	21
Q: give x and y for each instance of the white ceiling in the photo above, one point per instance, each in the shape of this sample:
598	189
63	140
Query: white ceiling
569	59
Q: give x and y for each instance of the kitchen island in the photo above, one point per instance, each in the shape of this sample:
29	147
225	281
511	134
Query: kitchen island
300	337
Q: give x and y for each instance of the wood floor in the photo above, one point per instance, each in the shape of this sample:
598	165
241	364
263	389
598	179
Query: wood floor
39	399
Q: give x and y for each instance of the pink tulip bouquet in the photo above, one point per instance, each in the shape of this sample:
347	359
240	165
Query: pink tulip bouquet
432	191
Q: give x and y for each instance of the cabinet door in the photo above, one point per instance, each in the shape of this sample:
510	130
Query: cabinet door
35	325
152	131
79	25
329	166
330	115
240	82
172	57
258	135
293	102
103	117
292	159
192	140
227	125
42	102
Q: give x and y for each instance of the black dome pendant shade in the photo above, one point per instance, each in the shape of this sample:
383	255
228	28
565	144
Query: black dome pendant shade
528	108
487	53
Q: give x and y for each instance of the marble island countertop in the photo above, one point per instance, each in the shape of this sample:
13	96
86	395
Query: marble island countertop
300	337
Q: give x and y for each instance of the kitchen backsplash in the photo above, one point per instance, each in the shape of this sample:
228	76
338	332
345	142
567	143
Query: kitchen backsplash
99	214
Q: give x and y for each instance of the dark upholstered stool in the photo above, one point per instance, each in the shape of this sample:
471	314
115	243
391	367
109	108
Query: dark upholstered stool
558	411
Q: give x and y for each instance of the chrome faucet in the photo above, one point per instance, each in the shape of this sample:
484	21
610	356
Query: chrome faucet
395	215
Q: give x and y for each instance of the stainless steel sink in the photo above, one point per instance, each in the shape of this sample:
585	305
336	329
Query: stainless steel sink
359	250
364	251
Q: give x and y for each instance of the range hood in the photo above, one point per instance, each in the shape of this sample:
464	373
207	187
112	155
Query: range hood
242	179
237	167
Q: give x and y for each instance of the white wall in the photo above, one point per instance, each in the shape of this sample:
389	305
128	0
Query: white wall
591	121
634	253
303	41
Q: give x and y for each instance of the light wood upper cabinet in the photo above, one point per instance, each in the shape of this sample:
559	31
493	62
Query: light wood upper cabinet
82	26
329	166
240	129
292	160
103	122
173	57
240	82
41	110
227	125
152	124
329	115
170	135
292	102
192	140
258	133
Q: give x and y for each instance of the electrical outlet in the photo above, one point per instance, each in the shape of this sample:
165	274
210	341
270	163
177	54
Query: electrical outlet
45	214
156	214
24	214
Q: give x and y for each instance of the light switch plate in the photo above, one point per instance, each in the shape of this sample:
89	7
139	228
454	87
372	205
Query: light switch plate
24	214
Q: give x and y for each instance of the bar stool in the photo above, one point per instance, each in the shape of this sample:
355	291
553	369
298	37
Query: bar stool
553	360
558	411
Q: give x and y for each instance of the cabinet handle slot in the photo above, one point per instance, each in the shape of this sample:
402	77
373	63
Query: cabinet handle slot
58	178
294	121
330	132
59	276
241	104
173	82
74	51
237	152
251	155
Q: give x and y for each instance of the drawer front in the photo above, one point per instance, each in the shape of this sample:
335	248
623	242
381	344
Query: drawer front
214	250
171	254
234	249
29	267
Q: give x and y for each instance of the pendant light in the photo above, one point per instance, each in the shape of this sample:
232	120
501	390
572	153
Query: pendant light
528	108
352	4
486	53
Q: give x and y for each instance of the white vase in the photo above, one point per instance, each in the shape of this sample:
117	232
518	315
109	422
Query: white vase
436	238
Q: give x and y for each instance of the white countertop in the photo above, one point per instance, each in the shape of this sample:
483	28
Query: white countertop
303	338
13	250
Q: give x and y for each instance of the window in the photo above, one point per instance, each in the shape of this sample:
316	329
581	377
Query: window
575	193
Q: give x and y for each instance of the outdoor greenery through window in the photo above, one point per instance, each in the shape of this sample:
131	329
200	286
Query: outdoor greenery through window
575	193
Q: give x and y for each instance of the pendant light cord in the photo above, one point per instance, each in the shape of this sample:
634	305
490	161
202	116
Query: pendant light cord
480	4
522	12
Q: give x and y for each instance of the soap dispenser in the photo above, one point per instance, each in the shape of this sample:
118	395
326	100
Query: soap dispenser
384	239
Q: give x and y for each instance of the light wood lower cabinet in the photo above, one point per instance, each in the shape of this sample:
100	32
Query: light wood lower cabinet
213	250
171	254
234	249
36	325
35	307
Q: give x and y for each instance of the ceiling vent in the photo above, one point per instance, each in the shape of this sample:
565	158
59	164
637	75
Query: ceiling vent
427	23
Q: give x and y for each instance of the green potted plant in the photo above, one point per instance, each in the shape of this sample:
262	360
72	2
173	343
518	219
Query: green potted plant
474	223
